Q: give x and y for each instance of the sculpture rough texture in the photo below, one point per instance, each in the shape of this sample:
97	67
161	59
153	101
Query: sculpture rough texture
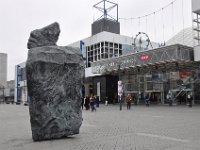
47	36
54	76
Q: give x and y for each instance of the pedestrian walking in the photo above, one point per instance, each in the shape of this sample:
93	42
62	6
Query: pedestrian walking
87	102
106	101
170	98
128	101
147	99
97	101
92	103
190	98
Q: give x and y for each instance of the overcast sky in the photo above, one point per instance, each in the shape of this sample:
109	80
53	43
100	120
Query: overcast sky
20	17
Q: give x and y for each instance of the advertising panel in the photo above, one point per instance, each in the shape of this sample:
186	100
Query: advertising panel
120	88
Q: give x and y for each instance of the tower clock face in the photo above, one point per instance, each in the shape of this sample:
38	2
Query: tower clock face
141	41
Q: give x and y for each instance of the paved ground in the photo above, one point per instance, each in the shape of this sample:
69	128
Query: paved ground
141	128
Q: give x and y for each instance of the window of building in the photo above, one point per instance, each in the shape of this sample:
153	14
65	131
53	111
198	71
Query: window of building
103	50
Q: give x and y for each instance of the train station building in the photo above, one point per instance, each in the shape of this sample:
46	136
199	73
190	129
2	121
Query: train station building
143	66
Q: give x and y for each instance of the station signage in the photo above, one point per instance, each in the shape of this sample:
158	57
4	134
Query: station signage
120	88
144	57
184	74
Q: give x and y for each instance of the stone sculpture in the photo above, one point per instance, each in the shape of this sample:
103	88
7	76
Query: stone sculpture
46	36
54	76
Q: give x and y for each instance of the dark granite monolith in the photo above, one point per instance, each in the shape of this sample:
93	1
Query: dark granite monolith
54	76
47	36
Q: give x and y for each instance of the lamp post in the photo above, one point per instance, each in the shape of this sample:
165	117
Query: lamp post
120	88
17	88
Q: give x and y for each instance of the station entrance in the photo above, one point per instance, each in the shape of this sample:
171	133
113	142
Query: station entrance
156	72
140	85
158	84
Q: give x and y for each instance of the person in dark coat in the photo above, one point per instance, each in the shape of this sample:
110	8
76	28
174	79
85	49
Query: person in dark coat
87	103
147	99
92	103
128	101
97	101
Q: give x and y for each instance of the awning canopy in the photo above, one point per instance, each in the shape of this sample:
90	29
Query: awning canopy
171	58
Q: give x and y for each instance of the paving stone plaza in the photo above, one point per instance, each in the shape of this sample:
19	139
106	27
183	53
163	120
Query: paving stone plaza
141	128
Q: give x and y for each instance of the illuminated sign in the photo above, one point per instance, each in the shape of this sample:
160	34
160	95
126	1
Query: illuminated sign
184	74
144	57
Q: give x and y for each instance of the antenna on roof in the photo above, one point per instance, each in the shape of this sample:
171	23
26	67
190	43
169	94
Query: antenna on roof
105	9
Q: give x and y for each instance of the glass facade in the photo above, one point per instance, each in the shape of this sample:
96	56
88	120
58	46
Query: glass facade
196	28
102	50
159	84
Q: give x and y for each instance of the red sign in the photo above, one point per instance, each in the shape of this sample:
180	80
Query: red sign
184	74
144	57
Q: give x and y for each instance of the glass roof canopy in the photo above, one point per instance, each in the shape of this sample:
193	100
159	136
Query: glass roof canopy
167	58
